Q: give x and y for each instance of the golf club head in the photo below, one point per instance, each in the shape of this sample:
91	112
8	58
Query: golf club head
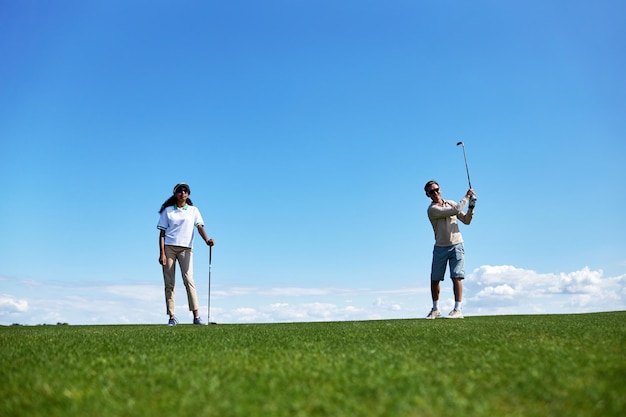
460	143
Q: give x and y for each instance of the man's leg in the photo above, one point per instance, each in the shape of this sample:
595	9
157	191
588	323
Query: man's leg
457	287
457	273
437	272
435	289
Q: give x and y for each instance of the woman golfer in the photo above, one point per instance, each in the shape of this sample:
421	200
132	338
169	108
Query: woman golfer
178	218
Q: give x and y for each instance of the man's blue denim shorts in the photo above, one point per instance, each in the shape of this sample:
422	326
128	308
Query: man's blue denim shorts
455	255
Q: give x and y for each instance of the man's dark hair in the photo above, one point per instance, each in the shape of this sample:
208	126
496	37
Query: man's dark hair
428	184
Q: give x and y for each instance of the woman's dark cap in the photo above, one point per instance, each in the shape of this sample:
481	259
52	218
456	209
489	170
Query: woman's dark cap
182	185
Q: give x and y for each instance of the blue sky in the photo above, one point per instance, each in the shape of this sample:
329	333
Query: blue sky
307	130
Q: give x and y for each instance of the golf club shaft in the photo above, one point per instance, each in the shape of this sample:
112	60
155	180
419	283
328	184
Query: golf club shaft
209	308
466	168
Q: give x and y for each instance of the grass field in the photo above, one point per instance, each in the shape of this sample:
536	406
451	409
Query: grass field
553	365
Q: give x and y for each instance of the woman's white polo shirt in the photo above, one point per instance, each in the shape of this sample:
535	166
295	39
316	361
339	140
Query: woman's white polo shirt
179	224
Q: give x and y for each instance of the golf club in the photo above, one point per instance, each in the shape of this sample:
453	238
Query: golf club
472	202
209	315
466	168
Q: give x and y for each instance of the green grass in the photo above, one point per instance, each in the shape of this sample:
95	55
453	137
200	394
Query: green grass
556	365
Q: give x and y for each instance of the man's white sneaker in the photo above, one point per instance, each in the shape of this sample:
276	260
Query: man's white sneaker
434	313
455	314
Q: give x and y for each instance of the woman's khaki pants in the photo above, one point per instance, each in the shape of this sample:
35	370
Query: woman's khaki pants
184	256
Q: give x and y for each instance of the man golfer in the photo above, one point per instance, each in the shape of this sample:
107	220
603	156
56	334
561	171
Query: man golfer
443	215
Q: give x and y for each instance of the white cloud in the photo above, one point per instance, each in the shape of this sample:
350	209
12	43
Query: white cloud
145	292
293	312
522	291
9	305
248	315
488	290
579	282
288	291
